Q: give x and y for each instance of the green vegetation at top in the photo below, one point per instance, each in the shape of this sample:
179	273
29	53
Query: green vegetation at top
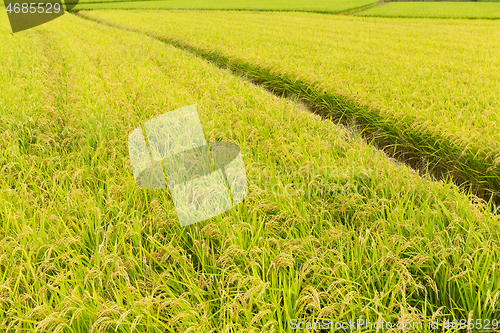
83	249
466	10
328	6
427	86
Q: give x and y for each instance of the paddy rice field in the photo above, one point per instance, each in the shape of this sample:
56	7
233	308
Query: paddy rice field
371	150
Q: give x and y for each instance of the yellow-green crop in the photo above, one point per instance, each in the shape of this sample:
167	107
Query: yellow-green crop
329	6
442	9
83	249
412	83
